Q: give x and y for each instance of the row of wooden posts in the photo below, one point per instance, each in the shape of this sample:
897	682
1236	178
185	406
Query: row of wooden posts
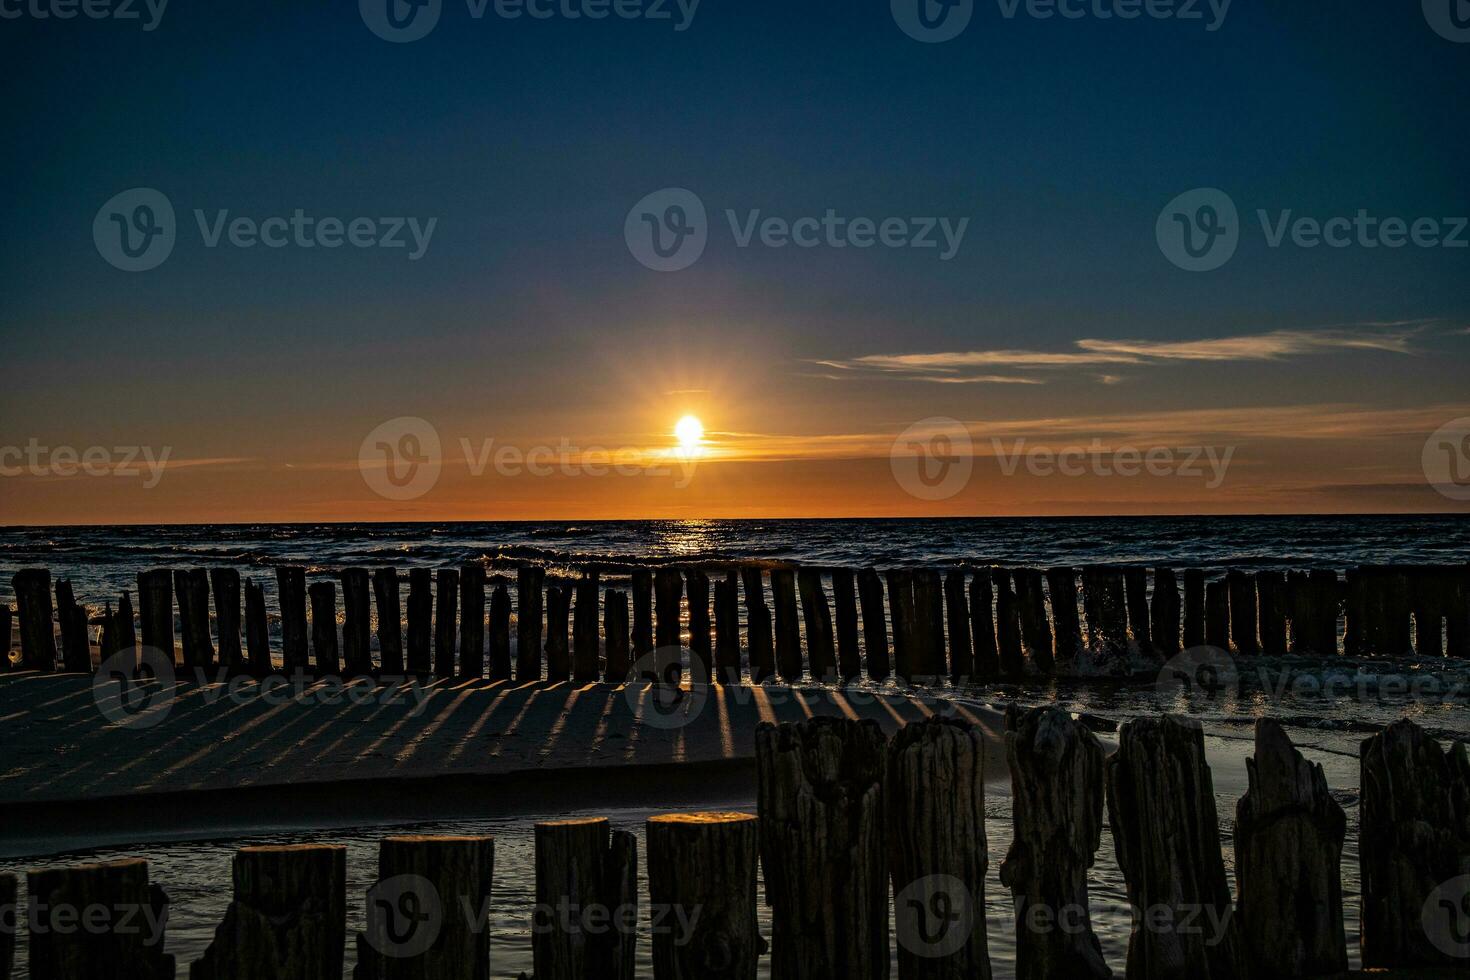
973	623
849	825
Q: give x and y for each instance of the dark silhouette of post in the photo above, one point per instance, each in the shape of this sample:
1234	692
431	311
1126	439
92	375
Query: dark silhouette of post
500	667
875	624
324	628
291	592
257	630
192	587
420	620
758	632
390	620
472	620
446	612
615	629
225	583
529	581
357	646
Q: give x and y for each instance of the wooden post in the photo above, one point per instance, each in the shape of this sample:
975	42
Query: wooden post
586	876
788	627
1194	608
1217	614
701	661
938	854
423	913
615	627
586	657
291	592
1243	612
1135	590
901	612
727	629
1413	794
930	660
1312	601
5	637
823	847
1061	583
420	620
1008	626
446	629
982	625
1106	609
1056	769
668	587
961	652
500	669
529	581
8	903
724	941
1288	852
875	626
472	621
642	587
1427	605
1035	629
558	615
390	620
257	629
1161	807
1457	613
844	598
1271	587
106	647
225	583
821	651
324	628
76	647
97	922
192	587
288	917
357	645
758	626
1164	613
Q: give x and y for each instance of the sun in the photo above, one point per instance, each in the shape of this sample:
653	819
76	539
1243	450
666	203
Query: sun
690	433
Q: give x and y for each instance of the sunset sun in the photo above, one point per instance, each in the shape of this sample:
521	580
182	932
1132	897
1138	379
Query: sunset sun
690	433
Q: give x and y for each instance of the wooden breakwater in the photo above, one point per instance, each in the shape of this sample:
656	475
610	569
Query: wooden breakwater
858	863
967	624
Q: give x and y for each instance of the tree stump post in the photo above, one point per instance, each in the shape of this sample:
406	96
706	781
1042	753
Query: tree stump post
287	920
727	629
844	600
1061	583
529	582
982	625
823	847
615	627
788	626
558	618
1164	613
901	613
586	658
420	621
668	587
758	634
97	922
471	621
642	588
957	608
1161	807
586	901
357	645
1243	612
257	630
1217	614
192	587
324	628
1036	635
76	646
821	650
724	942
1008	627
1288	855
446	615
1135	592
701	659
875	625
500	668
1271	589
390	620
291	593
1194	608
1057	815
225	583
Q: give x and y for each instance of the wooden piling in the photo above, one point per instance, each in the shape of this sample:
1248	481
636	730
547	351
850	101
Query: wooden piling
420	620
1106	610
875	626
788	626
558	617
155	613
957	608
471	621
701	659
1008	626
1061	584
225	584
424	911
1036	635
724	941
291	593
821	649
586	874
758	626
192	587
727	629
982	625
1135	593
668	587
844	601
930	661
1056	767
390	620
324	628
1288	854
1377	612
529	582
1244	617
1164	613
1313	599
8	903
1161	808
5	637
615	628
1427	605
357	645
642	587
76	647
586	656
823	847
106	647
1271	590
1194	608
901	613
938	855
287	919
500	669
446	627
1457	612
257	630
97	922
1217	614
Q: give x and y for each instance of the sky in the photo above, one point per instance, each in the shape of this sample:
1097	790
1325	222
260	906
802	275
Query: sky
263	257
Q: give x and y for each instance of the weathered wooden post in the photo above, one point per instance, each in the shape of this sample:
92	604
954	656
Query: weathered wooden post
668	586
1194	608
1106	609
586	657
1057	814
901	613
1035	628
529	581
1008	626
1243	612
701	660
558	617
1378	612
724	940
844	599
288	917
586	901
788	627
1427	605
357	644
982	625
1457	613
257	629
107	645
1312	601
824	847
758	626
424	913
324	628
1271	588
727	629
938	855
420	620
96	922
1164	613
615	628
642	588
1135	591
926	655
472	621
5	636
76	647
1061	583
225	583
291	593
1288	854
155	614
821	651
1413	811
390	620
1217	614
875	626
446	614
957	606
1161	807
500	669
192	587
